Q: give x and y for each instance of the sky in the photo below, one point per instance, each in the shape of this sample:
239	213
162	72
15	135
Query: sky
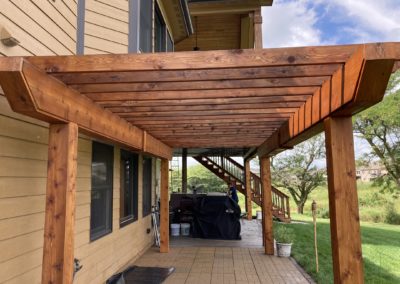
289	23
326	22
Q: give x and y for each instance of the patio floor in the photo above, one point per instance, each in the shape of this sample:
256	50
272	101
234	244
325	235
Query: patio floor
216	261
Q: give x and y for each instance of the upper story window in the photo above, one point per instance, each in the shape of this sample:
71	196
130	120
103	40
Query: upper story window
146	27
170	43
102	188
160	30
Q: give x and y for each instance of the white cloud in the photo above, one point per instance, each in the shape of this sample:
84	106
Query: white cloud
296	22
372	20
290	24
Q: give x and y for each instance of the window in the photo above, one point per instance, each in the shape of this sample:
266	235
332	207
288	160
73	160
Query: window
160	30
147	186
146	35
170	43
128	188
102	187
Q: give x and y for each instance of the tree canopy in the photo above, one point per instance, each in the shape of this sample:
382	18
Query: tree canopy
296	170
379	126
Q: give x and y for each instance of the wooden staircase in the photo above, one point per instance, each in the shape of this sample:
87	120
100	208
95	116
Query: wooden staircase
229	170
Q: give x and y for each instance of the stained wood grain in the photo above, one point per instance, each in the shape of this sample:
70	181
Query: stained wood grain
164	207
58	248
343	201
248	190
265	167
197	59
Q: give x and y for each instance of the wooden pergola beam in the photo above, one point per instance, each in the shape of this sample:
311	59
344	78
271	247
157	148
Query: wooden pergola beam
206	102
278	112
360	83
197	75
192	60
201	85
278	117
167	108
32	92
200	94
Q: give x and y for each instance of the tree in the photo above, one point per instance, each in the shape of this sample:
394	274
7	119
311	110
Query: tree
204	180
296	170
380	127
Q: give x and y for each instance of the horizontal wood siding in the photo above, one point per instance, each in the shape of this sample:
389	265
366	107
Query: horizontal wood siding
49	28
214	32
106	26
23	169
42	27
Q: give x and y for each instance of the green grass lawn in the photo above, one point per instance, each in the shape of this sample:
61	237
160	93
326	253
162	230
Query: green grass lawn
380	242
380	246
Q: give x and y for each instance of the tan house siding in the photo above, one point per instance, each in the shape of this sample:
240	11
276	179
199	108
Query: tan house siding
49	28
106	26
42	27
23	166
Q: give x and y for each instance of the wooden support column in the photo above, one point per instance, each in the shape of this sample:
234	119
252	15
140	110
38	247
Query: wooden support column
248	190
184	170
58	248
343	201
268	238
164	207
258	42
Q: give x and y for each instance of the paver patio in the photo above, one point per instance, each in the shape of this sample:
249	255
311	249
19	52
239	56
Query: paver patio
219	261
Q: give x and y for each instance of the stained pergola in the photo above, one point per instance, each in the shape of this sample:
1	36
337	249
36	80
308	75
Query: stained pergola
270	99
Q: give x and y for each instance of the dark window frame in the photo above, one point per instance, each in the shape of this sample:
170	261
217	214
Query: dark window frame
129	197
101	153
170	42
146	21
160	31
147	186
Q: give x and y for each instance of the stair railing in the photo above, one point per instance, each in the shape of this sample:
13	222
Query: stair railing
280	201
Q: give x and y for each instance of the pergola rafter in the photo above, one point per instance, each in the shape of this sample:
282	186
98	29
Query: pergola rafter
264	99
290	90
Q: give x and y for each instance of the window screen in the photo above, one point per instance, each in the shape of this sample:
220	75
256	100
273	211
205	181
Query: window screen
102	187
147	168
128	187
170	43
160	43
146	13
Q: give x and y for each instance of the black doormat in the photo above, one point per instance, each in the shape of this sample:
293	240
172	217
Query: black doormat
141	275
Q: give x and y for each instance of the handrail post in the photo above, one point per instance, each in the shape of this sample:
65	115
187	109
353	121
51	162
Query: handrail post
287	207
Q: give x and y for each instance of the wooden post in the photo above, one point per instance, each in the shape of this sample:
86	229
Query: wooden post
184	170
258	43
58	248
267	205
248	190
343	201
164	207
314	215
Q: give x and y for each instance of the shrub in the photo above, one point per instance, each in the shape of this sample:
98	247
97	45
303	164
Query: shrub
372	199
283	234
392	216
323	213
